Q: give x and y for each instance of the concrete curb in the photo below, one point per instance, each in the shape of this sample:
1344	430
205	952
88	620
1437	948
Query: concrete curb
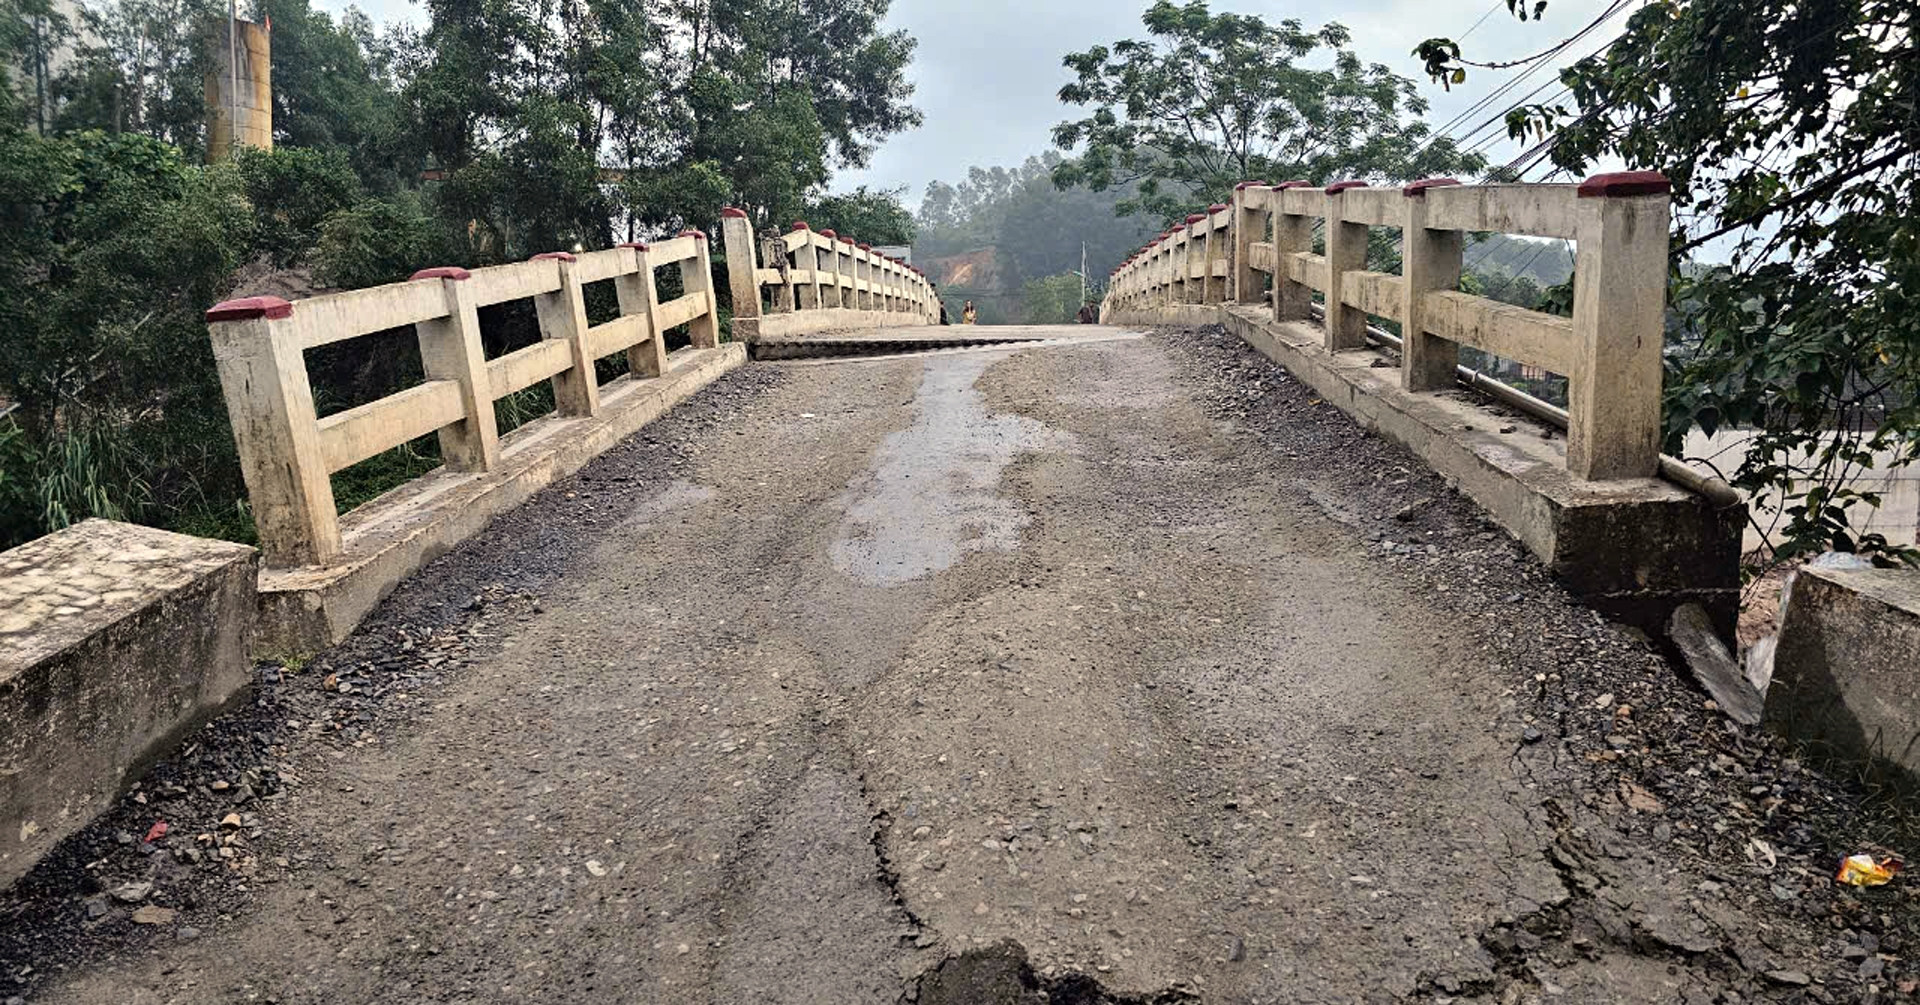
1635	549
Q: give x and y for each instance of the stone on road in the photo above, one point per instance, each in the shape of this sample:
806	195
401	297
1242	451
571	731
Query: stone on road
979	676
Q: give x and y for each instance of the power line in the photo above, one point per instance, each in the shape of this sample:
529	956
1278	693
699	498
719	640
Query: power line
1537	64
1497	4
1560	46
1498	135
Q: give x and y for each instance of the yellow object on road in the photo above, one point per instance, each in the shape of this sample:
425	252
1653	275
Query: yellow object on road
1862	870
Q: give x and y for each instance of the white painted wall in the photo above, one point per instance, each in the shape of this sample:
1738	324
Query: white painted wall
1898	516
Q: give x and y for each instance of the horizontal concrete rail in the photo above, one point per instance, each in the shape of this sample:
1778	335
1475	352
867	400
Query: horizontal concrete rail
288	452
1609	351
818	281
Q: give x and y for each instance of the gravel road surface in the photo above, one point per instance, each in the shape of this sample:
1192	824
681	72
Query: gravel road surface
1120	671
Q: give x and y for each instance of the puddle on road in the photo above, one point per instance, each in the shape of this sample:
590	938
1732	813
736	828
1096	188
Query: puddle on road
929	497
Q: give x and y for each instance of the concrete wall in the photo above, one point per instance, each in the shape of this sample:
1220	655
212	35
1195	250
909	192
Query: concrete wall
1846	669
114	641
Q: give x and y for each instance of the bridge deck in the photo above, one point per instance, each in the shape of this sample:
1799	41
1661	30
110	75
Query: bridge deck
844	670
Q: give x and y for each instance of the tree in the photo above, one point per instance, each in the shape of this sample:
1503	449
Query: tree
111	247
1210	100
649	115
1053	300
31	32
865	215
1788	132
331	92
853	73
142	68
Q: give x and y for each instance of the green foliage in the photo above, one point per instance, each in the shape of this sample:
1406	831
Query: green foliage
332	92
776	94
32	33
834	50
111	248
865	215
1788	132
293	191
1210	100
1053	300
382	241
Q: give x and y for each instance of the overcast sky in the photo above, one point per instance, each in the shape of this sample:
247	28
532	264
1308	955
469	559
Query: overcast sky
987	71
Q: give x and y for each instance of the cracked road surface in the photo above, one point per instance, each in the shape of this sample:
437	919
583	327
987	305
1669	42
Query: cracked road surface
918	658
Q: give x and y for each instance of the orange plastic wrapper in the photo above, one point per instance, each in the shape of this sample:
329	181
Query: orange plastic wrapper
1862	870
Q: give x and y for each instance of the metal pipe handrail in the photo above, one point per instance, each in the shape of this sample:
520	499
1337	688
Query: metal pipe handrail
1672	469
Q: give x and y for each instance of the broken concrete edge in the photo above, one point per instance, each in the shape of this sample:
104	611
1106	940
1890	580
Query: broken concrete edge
306	609
1713	665
1846	670
822	319
1634	550
115	641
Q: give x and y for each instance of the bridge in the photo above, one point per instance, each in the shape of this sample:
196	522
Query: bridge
1229	650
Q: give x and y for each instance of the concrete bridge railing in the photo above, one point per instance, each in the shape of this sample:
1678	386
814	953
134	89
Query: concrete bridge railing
288	452
816	281
1609	350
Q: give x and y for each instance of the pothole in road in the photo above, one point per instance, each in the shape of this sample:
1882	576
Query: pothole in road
1001	974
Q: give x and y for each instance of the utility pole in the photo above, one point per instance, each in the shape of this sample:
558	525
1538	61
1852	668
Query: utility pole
1083	278
233	74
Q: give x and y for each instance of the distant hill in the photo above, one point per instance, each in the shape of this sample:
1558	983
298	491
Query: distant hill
976	270
1545	262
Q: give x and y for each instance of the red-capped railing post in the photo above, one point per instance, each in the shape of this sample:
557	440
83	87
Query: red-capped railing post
450	349
1346	252
1218	268
1191	256
830	271
1430	261
806	259
1619	325
696	277
1292	235
743	266
563	318
639	293
1250	218
260	355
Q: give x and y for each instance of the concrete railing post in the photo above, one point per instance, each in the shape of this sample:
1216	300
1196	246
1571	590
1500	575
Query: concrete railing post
1190	254
806	259
263	376
1169	280
1346	252
743	267
563	317
1213	286
1249	227
1429	261
1619	325
450	350
638	293
830	265
863	274
696	277
1292	234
